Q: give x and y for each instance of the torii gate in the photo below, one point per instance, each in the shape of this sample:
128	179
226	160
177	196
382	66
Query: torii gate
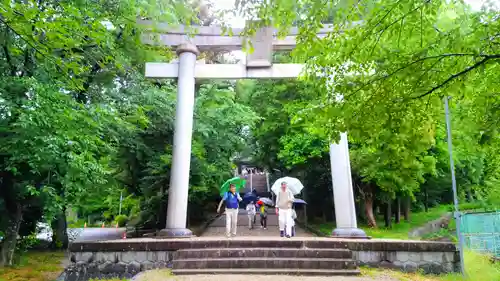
258	66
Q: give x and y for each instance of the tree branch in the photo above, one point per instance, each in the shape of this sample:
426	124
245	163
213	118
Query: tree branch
413	63
8	58
38	51
454	76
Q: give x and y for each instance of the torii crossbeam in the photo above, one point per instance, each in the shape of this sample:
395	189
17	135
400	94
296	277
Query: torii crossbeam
258	66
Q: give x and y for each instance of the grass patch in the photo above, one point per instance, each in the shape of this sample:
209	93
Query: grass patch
478	267
398	231
35	266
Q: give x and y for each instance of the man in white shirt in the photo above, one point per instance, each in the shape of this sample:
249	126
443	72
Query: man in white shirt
284	201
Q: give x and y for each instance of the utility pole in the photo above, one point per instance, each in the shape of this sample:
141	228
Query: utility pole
121	199
457	213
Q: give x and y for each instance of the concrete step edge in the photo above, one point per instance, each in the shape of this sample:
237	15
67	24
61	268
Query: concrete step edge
263	258
268	249
264	271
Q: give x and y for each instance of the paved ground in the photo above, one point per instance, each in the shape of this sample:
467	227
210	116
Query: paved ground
243	231
218	228
160	276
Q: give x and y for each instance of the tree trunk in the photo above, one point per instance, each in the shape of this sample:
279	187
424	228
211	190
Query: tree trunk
370	217
388	214
374	206
60	231
162	209
361	211
367	195
10	241
426	200
398	209
407	206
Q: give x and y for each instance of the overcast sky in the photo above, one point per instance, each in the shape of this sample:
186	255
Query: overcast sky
240	22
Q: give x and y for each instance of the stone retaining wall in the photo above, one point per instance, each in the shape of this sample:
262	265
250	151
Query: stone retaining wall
428	262
407	256
107	265
126	258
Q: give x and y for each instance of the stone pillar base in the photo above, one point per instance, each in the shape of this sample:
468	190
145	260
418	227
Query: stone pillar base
351	233
175	233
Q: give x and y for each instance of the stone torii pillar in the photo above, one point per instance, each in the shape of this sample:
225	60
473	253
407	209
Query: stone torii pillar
183	131
259	66
343	193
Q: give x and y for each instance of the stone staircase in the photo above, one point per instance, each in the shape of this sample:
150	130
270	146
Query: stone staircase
259	183
286	256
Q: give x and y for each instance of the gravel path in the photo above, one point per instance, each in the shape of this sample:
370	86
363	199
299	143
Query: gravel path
158	276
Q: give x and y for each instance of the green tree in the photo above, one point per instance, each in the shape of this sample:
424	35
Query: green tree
390	65
57	56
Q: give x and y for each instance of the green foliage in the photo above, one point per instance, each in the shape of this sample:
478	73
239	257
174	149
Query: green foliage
398	231
217	138
35	266
79	124
477	267
382	79
26	243
121	220
62	144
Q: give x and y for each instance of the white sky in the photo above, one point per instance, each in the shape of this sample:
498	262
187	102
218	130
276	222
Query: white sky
477	4
229	4
240	22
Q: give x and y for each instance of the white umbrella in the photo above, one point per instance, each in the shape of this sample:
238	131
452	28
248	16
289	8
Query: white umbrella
266	201
293	184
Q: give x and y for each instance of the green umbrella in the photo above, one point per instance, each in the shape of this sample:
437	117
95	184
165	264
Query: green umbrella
237	181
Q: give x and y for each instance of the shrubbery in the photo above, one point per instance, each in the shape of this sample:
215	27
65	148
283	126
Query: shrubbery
121	220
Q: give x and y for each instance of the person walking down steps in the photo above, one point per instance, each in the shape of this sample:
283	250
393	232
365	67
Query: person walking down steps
251	214
284	201
263	214
232	199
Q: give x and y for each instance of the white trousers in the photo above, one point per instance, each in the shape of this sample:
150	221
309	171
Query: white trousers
231	221
285	220
251	220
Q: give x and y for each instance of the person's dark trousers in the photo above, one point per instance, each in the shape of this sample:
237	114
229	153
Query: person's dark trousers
263	221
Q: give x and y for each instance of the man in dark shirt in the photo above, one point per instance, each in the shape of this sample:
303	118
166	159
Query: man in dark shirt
232	200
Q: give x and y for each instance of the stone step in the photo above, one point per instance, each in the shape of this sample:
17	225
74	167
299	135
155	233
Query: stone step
268	242
272	219
274	263
263	253
269	271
